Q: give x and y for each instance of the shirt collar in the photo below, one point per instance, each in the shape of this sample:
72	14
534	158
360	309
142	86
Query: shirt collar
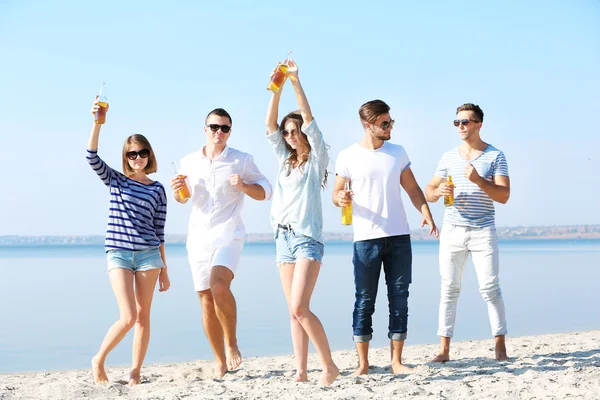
222	155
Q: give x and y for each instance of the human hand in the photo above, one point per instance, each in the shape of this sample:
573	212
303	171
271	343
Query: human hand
164	283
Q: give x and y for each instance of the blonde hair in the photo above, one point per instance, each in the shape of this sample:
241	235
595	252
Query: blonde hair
152	165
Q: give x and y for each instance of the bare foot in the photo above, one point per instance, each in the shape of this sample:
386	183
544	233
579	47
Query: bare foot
329	375
98	371
501	348
219	371
501	353
361	370
301	376
441	358
399	368
134	378
234	358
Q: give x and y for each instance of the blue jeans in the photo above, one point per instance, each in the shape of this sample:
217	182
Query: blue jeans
395	254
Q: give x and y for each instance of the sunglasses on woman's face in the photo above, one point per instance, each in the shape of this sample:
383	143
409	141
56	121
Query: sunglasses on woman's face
465	122
216	127
285	133
132	155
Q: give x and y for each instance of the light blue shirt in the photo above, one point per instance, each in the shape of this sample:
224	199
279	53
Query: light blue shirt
297	192
472	206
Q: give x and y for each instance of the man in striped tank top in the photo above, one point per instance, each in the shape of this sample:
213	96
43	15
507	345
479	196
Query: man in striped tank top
480	176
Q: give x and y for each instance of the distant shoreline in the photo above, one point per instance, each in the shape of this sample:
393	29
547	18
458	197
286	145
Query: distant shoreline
515	233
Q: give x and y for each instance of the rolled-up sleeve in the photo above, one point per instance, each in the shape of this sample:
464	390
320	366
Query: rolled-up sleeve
252	175
277	142
315	138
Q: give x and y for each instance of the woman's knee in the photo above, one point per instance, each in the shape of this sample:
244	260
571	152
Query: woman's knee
143	318
128	319
299	311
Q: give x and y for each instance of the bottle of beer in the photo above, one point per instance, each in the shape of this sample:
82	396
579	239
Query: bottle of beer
347	210
449	200
100	116
280	75
184	192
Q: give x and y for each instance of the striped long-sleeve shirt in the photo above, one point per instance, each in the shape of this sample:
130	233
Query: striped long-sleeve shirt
137	212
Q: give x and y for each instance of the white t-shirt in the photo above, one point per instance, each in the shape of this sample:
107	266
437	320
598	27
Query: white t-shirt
377	209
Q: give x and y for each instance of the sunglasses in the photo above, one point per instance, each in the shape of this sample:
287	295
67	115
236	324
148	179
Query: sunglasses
465	122
216	127
285	133
132	155
385	125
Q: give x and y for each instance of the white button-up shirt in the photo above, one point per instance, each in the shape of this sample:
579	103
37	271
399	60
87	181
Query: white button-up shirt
216	205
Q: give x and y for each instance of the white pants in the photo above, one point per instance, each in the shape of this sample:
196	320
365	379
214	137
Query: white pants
456	242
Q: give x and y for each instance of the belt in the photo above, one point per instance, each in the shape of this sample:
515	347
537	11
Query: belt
287	227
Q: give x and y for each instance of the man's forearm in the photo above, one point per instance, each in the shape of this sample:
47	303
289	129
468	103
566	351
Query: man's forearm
431	194
334	198
256	191
418	199
497	193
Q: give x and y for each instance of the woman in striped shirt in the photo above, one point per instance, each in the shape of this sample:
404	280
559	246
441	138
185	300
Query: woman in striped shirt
134	244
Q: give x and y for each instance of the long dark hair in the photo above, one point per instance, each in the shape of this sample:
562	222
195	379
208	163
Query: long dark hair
298	158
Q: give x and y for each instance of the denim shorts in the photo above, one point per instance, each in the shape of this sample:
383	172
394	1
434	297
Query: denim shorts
134	260
290	246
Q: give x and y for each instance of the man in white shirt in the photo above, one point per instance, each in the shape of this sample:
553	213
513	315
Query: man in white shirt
218	177
376	169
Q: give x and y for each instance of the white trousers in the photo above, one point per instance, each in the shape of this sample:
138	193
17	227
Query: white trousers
456	242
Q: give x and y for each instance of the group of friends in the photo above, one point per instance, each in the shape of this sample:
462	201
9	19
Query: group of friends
219	178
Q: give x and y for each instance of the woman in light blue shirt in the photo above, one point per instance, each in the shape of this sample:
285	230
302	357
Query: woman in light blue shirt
297	219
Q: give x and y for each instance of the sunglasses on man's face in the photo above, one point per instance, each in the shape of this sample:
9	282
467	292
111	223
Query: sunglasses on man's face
216	127
385	125
132	155
465	122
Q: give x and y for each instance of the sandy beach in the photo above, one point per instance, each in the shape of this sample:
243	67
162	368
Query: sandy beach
556	366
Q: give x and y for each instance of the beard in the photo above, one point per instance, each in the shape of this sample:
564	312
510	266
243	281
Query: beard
383	137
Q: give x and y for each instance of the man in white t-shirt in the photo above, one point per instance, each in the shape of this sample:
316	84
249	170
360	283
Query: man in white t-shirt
218	178
376	171
479	177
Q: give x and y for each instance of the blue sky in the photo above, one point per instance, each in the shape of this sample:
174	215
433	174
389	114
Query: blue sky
532	66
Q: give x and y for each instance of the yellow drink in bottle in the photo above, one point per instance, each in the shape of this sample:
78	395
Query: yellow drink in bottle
449	200
347	210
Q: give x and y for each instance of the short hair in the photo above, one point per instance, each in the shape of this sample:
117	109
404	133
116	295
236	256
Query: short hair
471	107
219	112
371	110
152	165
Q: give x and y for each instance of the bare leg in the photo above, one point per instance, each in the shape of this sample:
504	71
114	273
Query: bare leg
362	349
214	332
299	335
501	348
145	281
220	283
121	281
444	354
303	284
396	347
